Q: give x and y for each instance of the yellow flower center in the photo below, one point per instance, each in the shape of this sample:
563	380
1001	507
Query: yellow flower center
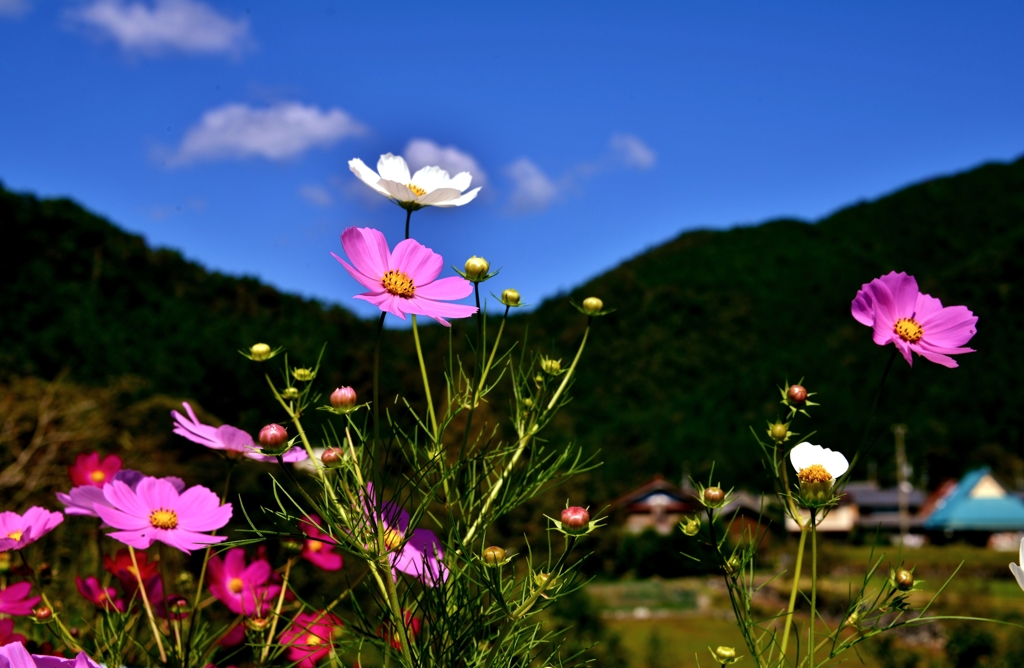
392	538
814	473
314	545
98	476
313	640
398	283
235	585
161	518
16	535
416	190
909	330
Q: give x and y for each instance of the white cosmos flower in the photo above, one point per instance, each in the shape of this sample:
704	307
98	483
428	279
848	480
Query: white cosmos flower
805	455
430	186
1018	569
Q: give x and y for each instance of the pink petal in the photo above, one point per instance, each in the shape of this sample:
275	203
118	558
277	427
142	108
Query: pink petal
944	360
862	308
234	438
121	497
120	520
904	291
952	326
367	281
367	249
157	493
258	572
438	310
417	261
904	349
234	563
385	301
140	539
453	287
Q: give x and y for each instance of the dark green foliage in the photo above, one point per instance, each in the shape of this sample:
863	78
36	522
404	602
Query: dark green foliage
969	644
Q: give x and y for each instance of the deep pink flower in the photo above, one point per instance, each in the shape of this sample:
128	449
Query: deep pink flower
403	281
412	628
122	568
14	600
235	636
81	500
155	511
89	470
15	655
418	554
309	637
102	597
912	321
318	548
231	440
244	589
17	531
7	634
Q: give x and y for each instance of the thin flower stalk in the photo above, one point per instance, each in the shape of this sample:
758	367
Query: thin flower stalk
277	607
147	606
434	434
793	592
476	369
494	350
814	585
572	367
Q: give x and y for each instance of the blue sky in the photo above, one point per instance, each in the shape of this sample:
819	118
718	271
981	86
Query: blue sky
597	130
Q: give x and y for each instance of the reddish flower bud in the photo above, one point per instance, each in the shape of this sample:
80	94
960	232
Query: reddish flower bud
493	555
343	397
43	613
575	519
797	394
904	580
714	495
332	457
273	436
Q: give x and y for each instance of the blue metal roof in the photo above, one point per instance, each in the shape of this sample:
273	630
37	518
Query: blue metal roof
960	512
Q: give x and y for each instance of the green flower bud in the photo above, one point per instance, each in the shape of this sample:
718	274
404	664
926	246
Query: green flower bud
303	375
290	393
510	297
592	305
493	555
904	580
713	497
477	268
260	351
551	366
690	526
725	656
779	431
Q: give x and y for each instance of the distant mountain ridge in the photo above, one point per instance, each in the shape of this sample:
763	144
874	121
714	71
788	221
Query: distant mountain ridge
706	326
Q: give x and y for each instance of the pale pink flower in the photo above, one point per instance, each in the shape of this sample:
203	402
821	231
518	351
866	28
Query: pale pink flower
17	531
403	281
913	322
418	553
228	439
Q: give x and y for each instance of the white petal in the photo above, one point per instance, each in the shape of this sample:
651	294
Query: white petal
431	178
804	454
438	196
393	168
1018	573
398	191
461	181
835	463
366	175
1021	562
465	199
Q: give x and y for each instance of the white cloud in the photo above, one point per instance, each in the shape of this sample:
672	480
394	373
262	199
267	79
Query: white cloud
14	7
533	189
169	25
632	151
282	131
422	152
316	195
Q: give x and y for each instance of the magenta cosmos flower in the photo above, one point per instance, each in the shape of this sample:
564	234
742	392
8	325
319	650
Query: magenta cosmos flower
308	639
83	499
15	600
912	321
104	598
318	548
17	531
88	469
230	440
15	655
245	589
403	281
7	634
419	553
155	511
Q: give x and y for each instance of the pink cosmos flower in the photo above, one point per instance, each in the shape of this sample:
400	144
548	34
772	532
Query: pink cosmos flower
309	637
418	554
81	500
244	589
15	655
17	531
412	629
89	470
7	634
155	511
235	636
231	440
15	599
912	321
318	548
102	597
403	281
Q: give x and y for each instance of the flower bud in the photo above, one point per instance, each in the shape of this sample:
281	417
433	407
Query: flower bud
797	394
528	402
904	580
303	375
291	545
260	351
551	366
273	436
290	393
853	618
343	397
779	431
713	496
725	653
332	458
575	520
43	613
592	305
257	624
733	564
510	297
544	580
477	268
493	555
690	526
74	632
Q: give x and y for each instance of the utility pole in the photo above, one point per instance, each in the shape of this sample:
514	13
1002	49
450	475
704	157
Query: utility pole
902	486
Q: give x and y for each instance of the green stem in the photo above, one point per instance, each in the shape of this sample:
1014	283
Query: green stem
408	215
376	379
494	350
793	594
874	407
814	584
149	609
476	370
426	381
568	375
